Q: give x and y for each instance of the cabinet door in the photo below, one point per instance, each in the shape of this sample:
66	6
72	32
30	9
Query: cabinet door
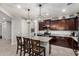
41	25
47	22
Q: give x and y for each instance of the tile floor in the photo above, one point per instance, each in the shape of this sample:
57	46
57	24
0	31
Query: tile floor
6	49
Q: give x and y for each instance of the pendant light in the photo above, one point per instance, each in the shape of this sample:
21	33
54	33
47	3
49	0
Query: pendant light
28	18
40	18
40	9
28	14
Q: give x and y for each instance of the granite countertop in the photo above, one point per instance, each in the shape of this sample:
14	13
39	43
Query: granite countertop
73	37
44	39
41	38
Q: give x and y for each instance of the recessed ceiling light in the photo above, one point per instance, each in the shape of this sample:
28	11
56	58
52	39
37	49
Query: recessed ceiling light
63	10
18	6
3	17
0	22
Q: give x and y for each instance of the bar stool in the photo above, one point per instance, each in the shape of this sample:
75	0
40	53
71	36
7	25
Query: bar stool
20	45
36	48
27	45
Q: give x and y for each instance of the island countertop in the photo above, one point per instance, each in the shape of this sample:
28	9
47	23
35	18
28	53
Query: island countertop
41	38
73	37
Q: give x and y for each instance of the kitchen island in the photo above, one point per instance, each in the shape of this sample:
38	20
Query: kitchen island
44	42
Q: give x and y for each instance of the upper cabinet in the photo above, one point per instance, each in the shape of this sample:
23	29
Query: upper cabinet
63	24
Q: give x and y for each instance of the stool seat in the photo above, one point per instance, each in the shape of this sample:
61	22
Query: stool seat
36	48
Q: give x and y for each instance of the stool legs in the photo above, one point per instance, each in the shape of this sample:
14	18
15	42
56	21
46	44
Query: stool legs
44	52
17	51
49	48
21	51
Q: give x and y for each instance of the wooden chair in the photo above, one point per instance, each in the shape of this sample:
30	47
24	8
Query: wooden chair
27	45
36	48
20	45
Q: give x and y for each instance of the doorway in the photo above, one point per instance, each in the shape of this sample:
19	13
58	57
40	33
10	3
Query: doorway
6	31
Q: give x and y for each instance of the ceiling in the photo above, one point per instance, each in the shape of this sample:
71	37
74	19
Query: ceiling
48	10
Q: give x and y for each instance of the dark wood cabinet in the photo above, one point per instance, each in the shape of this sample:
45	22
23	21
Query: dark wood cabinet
41	25
64	42
63	24
78	23
47	22
72	43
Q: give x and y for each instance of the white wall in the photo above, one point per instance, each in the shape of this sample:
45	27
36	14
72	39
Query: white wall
6	30
20	27
36	26
16	30
24	27
0	29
